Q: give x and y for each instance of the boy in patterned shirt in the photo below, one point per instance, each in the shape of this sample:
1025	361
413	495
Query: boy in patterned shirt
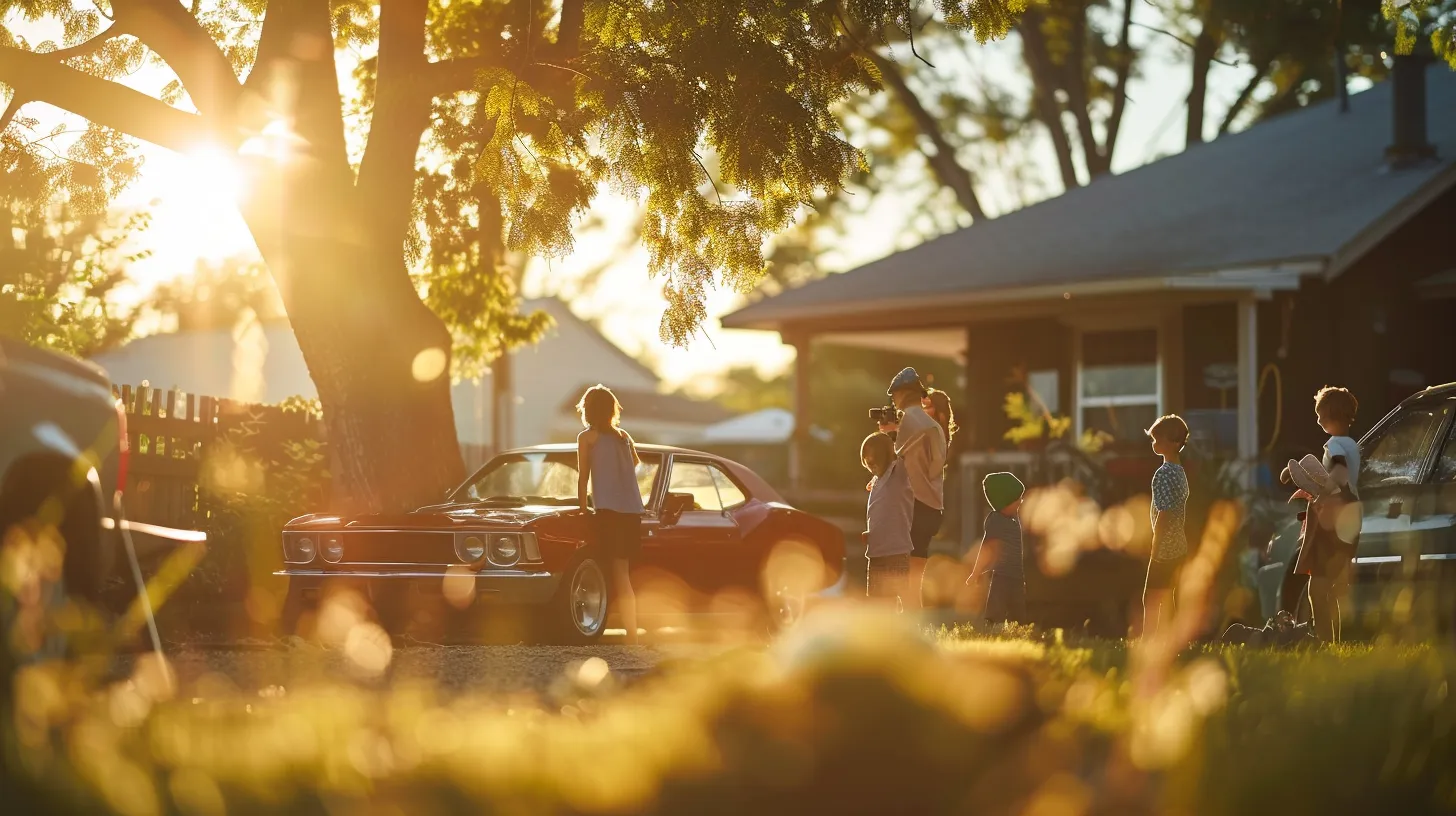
1168	515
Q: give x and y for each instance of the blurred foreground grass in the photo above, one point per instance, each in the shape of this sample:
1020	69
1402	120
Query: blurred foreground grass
849	713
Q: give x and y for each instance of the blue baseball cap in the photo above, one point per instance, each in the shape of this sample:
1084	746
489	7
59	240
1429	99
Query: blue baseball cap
907	378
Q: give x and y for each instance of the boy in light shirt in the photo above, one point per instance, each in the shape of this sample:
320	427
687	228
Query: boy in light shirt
887	515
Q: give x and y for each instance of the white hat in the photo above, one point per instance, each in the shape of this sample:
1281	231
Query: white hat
1309	475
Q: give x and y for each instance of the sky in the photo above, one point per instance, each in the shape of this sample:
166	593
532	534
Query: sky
194	216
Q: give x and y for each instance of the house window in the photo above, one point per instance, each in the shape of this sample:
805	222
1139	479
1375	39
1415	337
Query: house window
1119	388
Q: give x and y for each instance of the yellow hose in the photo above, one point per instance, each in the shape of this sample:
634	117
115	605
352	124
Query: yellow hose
1271	368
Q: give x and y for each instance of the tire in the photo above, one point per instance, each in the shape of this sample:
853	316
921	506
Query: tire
578	611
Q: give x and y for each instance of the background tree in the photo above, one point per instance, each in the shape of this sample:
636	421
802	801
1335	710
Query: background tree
545	103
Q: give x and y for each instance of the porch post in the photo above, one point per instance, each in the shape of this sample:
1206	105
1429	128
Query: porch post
798	442
1248	387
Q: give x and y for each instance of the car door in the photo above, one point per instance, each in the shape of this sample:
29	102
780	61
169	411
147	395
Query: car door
1397	497
698	545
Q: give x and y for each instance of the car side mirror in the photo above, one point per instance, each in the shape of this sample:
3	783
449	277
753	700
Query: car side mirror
1396	509
675	505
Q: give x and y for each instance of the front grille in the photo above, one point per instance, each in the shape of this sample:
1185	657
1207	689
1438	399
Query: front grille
399	547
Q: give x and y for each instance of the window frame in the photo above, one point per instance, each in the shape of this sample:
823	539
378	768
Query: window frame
718	468
1081	402
1433	452
693	460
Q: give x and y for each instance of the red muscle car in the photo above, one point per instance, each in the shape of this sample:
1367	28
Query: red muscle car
513	537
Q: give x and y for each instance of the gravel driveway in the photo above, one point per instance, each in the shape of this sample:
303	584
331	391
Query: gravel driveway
494	669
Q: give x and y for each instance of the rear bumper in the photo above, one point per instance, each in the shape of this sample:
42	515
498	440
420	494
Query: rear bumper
504	586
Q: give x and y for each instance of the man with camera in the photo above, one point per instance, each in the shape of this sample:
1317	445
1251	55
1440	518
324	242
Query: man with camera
920	441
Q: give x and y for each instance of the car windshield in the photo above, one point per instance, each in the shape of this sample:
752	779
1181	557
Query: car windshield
541	478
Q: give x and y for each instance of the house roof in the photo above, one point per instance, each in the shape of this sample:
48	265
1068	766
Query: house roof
1306	190
562	313
654	407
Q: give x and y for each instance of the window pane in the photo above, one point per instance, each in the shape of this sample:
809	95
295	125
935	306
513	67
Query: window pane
1395	457
1125	423
647	475
1120	381
727	490
694	478
1446	467
1046	386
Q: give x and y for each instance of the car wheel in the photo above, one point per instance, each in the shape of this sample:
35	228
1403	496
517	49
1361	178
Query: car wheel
579	610
785	608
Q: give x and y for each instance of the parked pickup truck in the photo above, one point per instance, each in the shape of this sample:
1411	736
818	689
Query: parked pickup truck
63	458
1408	535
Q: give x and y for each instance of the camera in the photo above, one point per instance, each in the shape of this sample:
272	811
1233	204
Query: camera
887	415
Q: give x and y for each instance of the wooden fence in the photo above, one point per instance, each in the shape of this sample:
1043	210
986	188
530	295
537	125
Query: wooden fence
171	433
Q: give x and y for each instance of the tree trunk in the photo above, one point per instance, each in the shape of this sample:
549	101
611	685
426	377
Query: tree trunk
1043	95
378	356
942	159
1205	48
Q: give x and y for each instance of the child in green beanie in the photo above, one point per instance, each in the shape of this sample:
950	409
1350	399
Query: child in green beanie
1000	558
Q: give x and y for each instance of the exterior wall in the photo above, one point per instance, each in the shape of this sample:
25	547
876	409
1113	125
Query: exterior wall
996	351
1367	330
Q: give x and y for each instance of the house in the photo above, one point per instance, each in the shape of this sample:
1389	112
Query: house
662	419
1226	283
266	365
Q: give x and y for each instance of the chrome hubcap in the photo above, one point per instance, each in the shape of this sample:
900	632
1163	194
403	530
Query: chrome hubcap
790	606
588	598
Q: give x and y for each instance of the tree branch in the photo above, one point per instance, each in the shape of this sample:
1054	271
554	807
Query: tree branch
568	33
90	46
1043	97
943	160
40	78
1185	42
167	28
11	107
294	74
401	114
454	75
1244	96
1119	88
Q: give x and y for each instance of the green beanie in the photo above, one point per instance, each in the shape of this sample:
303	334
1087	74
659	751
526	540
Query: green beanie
1002	489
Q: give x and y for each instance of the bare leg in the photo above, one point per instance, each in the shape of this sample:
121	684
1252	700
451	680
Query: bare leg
626	597
1157	610
916	601
1324	608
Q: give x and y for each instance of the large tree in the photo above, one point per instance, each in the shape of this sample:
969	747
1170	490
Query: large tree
468	127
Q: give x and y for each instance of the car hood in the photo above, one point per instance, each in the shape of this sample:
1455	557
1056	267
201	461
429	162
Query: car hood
435	517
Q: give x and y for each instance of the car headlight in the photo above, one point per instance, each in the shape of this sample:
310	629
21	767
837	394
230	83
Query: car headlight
505	550
333	549
469	547
298	548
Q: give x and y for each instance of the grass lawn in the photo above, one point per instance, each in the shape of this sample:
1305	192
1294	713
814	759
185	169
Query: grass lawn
846	714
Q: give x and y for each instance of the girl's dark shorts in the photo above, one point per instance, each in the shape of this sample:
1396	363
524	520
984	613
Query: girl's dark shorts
1163	574
924	524
618	535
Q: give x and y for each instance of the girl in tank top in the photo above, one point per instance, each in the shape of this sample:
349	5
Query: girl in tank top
607	462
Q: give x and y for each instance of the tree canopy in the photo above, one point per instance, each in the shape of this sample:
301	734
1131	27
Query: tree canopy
384	203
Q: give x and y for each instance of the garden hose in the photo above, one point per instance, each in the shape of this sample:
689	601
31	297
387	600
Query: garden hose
1273	368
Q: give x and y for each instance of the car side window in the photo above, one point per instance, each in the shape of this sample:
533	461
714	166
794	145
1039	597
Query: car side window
696	479
1446	465
728	490
1395	457
647	475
